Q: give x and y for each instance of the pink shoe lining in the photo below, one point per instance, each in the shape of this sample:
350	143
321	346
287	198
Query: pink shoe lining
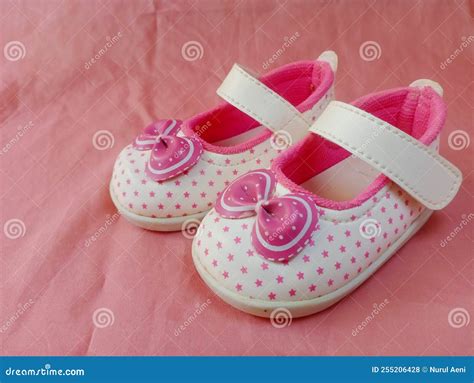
418	112
302	83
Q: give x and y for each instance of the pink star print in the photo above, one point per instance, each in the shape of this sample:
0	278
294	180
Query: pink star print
320	270
330	238
300	275
264	266
337	265
237	240
258	283
243	270
292	292
312	287
238	287
325	254
225	274
279	279
272	296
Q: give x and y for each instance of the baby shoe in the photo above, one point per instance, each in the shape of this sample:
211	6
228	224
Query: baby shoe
171	174
333	208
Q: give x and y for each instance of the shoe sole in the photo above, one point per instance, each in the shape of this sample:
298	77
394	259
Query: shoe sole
185	223
298	309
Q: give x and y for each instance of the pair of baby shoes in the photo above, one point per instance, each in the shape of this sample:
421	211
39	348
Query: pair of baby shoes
301	198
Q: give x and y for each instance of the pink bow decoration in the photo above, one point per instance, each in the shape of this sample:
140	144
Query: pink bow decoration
170	154
283	225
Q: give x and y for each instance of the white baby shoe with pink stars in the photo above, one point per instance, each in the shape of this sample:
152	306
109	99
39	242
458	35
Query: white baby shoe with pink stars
169	177
333	208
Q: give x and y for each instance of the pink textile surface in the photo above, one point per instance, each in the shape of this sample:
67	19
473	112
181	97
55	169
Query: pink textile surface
65	116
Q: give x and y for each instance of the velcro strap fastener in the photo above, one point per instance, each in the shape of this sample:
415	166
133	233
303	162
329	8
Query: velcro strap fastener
255	99
419	170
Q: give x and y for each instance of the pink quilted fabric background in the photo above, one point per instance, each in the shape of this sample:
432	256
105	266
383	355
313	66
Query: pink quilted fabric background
79	79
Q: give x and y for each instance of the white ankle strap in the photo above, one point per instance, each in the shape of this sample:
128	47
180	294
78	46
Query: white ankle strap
418	169
257	100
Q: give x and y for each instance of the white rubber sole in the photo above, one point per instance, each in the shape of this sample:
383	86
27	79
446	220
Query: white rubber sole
186	223
297	309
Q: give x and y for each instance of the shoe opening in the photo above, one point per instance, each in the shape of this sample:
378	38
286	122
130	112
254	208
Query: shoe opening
226	129
323	168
